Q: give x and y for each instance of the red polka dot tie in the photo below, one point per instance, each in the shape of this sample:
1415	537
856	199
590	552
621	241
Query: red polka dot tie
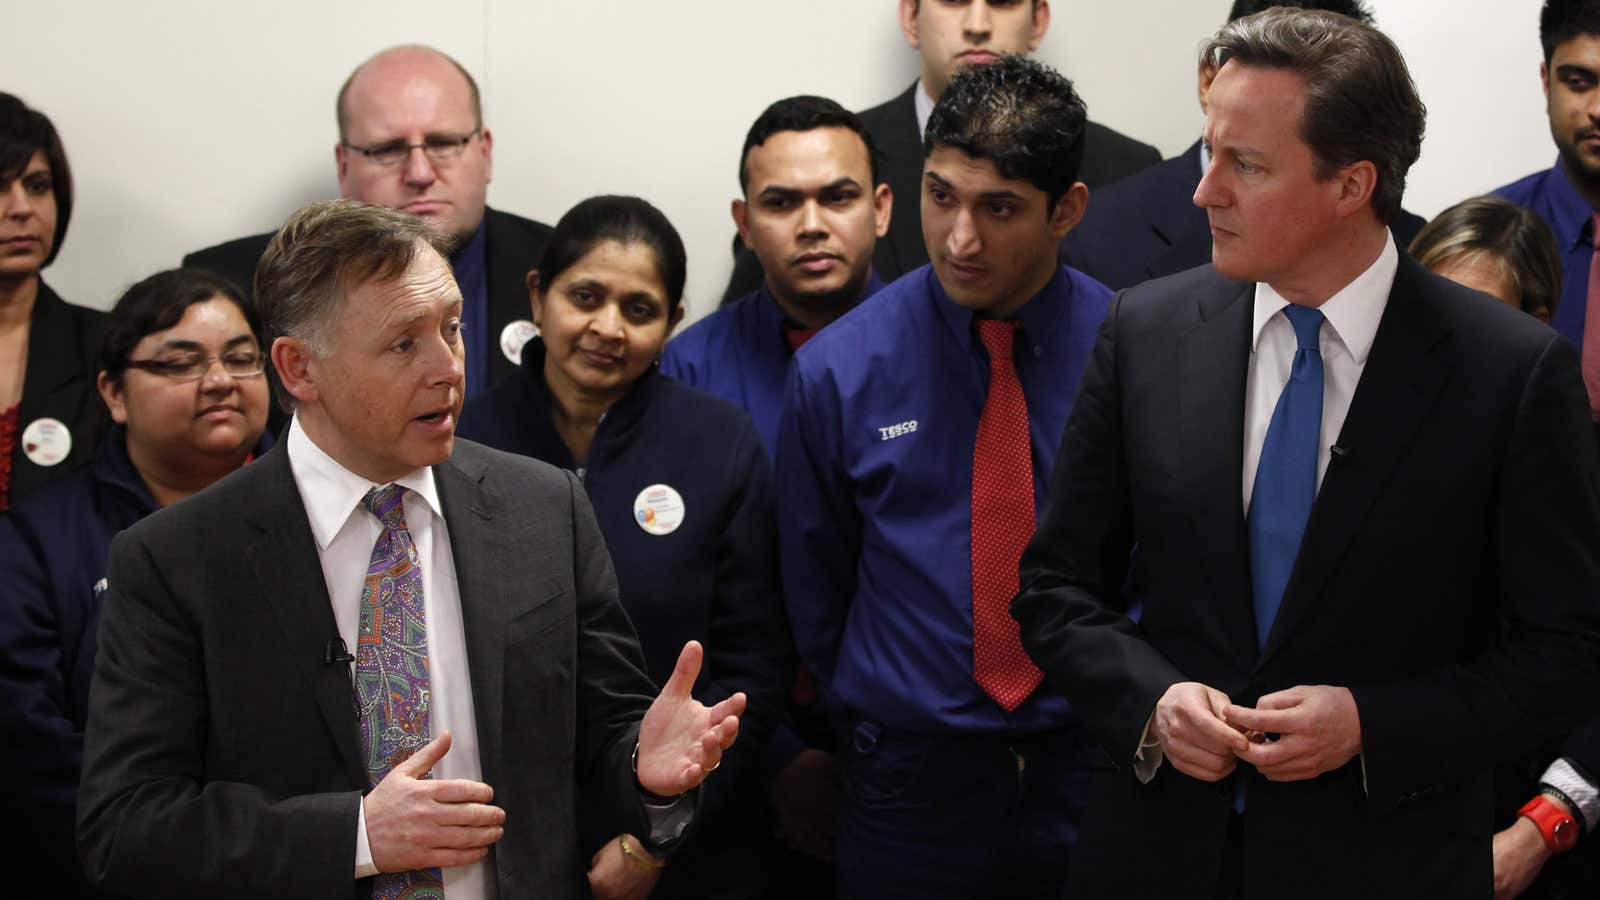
1002	523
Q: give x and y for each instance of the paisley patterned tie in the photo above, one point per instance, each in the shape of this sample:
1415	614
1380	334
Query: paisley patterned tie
391	677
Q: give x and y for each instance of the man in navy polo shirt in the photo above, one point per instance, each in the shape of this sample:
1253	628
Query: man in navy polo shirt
812	210
918	435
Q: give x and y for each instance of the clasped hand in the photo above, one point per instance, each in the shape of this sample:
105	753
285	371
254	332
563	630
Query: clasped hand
1290	735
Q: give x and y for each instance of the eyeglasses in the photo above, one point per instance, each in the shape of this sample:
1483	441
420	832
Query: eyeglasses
438	148
194	366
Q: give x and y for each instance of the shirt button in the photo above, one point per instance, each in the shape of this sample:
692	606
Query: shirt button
1038	351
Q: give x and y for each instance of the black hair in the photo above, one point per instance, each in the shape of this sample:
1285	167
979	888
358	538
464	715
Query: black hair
158	303
1562	20
1021	115
803	113
626	220
1355	9
24	132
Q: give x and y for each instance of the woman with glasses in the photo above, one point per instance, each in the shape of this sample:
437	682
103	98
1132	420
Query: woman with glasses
682	491
181	375
50	418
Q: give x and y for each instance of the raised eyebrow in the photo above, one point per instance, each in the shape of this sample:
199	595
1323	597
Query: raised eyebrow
240	339
841	184
936	178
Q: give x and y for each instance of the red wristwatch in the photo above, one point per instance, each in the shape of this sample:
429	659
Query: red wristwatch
1556	825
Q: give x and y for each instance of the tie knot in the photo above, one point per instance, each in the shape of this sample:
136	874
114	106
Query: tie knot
997	337
1307	323
388	504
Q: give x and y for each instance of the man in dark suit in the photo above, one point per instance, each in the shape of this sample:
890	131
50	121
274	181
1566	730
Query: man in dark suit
224	755
950	35
1147	225
412	138
1321	677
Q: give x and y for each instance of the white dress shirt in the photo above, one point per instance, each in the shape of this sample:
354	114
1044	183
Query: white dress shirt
1345	340
345	533
923	103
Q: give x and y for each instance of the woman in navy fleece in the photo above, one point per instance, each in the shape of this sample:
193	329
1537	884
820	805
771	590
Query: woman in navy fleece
682	491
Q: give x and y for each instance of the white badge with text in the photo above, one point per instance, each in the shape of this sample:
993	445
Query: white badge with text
513	336
46	441
658	509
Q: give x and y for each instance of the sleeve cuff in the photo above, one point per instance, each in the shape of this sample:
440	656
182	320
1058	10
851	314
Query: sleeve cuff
364	865
668	821
1147	759
1564	777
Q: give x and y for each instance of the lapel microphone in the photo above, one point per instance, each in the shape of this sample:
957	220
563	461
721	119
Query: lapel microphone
336	652
1340	454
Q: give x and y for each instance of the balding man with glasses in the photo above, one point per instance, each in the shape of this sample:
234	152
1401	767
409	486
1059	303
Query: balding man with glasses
412	138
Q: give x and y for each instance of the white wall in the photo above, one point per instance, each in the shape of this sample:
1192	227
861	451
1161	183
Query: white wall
191	122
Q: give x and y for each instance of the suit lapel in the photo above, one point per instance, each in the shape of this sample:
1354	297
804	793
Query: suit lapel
480	552
283	556
901	149
1213	359
1399	385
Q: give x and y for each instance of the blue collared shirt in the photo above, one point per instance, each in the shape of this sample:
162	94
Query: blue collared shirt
1551	195
471	266
874	477
740	353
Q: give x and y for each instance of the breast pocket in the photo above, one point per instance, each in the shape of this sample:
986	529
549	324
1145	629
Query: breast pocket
543	618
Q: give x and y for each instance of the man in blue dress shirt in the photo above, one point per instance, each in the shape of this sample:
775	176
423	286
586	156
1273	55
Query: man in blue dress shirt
812	211
1567	195
886	462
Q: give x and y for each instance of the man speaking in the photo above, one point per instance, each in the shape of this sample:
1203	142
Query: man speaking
381	662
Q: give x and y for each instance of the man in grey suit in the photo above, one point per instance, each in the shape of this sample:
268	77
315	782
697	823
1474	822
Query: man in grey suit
381	662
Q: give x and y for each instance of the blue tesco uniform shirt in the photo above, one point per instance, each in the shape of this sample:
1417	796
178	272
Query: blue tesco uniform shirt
1551	196
874	476
740	353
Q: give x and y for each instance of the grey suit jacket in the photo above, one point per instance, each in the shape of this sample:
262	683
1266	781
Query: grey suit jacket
222	756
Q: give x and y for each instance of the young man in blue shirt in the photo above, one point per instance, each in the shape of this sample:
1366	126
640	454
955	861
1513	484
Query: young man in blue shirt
918	434
1567	195
812	211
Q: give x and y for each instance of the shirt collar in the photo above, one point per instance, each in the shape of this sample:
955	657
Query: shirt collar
1353	312
1572	211
924	107
331	492
1039	316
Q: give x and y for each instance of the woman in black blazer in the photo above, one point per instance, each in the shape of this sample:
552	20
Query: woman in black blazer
51	418
682	491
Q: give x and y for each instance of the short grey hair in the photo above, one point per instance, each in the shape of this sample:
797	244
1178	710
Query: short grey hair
1361	104
322	252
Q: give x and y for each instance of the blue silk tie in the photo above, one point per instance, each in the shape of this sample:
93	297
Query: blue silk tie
1286	479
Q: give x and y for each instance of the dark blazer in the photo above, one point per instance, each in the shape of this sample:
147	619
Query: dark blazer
222	757
514	246
714	579
1147	226
59	383
1468	499
1107	156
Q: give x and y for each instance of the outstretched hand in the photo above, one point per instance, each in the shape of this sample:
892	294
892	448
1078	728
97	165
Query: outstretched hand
681	740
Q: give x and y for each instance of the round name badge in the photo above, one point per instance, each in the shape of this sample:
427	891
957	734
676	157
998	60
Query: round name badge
658	509
513	336
46	441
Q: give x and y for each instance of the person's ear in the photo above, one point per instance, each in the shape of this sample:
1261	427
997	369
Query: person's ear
292	359
882	209
908	23
1069	210
535	300
111	394
1357	184
1041	24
